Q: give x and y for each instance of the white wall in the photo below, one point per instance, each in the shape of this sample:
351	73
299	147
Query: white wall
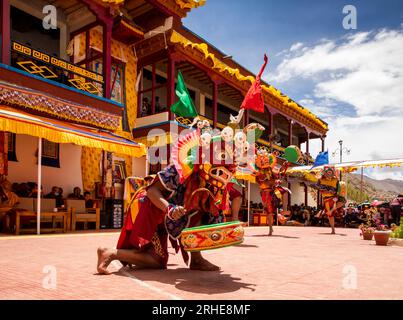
255	193
67	176
298	195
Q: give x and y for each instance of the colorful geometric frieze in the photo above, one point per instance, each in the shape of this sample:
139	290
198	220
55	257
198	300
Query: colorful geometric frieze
80	84
32	68
56	62
21	97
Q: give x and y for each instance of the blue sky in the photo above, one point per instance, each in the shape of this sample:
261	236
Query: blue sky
353	79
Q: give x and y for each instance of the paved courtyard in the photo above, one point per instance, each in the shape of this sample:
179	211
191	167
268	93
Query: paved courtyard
296	263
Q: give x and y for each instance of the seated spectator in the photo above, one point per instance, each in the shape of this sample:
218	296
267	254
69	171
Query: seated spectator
55	194
33	193
60	199
76	194
89	203
8	200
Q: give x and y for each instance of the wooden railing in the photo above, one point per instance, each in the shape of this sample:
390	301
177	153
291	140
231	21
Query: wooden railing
46	66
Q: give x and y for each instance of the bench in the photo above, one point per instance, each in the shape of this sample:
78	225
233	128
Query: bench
26	210
45	217
79	213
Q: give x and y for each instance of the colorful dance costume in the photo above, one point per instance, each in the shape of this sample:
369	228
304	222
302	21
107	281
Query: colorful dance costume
197	181
332	190
269	180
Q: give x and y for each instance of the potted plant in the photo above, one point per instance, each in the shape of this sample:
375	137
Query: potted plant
367	231
381	235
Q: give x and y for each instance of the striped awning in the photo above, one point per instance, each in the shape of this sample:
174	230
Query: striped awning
58	131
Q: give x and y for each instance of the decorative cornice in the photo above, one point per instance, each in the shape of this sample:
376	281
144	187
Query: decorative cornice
58	108
271	95
179	8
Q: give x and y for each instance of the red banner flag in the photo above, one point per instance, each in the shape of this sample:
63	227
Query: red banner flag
254	99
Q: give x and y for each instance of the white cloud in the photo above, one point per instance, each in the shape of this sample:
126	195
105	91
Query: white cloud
296	46
363	72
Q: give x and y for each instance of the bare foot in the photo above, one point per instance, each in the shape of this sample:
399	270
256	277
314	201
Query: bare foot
203	265
270	231
105	257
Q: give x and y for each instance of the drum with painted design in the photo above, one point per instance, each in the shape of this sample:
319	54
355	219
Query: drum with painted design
292	154
212	236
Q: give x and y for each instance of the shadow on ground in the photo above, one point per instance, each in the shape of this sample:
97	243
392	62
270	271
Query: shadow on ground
247	246
329	234
190	280
274	236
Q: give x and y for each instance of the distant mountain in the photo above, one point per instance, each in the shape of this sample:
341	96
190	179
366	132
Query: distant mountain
386	189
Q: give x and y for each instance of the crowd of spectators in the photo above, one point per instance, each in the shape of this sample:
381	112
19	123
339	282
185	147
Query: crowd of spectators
351	216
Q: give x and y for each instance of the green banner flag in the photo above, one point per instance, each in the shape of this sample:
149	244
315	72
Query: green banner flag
185	106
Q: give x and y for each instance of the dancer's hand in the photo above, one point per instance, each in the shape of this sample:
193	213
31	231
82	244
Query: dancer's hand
177	212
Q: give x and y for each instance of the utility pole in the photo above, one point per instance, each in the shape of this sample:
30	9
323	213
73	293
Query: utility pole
341	151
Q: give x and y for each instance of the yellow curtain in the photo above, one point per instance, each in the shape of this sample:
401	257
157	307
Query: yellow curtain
125	54
90	167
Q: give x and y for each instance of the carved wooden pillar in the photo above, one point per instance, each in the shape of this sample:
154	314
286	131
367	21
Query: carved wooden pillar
306	194
5	31
107	58
290	123
171	85
215	102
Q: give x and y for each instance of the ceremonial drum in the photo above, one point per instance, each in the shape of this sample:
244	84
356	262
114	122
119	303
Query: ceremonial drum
212	236
292	154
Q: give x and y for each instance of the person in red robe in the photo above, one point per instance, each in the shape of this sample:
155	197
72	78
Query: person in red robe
269	179
172	202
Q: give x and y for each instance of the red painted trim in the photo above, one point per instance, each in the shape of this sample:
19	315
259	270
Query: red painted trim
5	32
153	80
87	48
215	103
114	78
87	61
289	196
306	194
171	86
107	59
270	121
139	94
289	132
156	88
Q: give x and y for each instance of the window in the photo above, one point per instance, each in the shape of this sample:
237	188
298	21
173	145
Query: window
117	79
50	154
153	90
12	154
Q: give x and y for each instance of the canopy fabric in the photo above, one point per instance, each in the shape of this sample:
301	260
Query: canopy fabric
352	166
57	131
157	140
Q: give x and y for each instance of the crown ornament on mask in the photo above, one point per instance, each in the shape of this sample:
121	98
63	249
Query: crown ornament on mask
214	153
